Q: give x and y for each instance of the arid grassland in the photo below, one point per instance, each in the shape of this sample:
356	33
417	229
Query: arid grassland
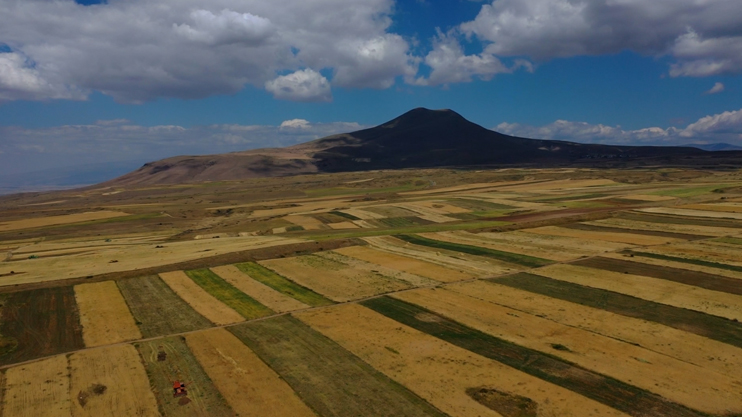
503	292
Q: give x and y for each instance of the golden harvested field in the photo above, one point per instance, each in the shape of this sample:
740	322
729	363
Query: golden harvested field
363	214
437	371
127	258
104	315
666	227
308	223
705	250
332	279
693	213
427	213
676	264
687	347
648	197
57	220
665	292
631	239
343	225
554	185
265	295
468	264
250	387
494	292
361	265
404	263
201	301
563	247
112	382
481	240
722	207
38	389
702	389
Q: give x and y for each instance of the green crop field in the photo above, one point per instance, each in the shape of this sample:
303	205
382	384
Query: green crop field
283	285
225	292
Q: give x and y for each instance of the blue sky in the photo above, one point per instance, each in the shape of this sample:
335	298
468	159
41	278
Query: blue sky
136	80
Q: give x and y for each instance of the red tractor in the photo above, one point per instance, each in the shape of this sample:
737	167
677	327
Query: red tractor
179	389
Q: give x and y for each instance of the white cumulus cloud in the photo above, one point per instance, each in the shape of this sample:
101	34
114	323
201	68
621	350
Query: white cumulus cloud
723	127
141	50
717	88
20	79
302	85
703	36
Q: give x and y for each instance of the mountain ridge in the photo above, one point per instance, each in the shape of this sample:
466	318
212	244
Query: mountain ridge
419	138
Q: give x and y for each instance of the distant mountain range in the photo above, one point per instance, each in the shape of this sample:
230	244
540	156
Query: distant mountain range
420	138
718	147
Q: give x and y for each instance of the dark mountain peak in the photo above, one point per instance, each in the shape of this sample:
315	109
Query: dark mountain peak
422	116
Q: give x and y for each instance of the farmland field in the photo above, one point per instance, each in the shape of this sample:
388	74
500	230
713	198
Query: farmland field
264	294
180	365
204	303
23	396
508	292
156	308
39	323
335	383
225	292
248	384
104	316
110	382
334	280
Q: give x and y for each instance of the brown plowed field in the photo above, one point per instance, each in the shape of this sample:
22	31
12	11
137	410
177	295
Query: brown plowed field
40	323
